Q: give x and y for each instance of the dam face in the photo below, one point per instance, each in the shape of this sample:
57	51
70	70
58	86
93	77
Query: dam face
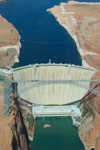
55	90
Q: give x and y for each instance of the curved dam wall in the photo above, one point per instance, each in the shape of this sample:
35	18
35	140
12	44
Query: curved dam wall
51	92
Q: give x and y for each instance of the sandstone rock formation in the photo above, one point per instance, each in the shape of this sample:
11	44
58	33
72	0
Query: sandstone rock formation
82	21
89	131
9	43
15	125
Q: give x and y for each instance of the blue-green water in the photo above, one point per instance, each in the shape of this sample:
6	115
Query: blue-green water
61	136
35	24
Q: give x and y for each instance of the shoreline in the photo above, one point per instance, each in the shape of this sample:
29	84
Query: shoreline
15	58
88	3
10	45
75	39
70	22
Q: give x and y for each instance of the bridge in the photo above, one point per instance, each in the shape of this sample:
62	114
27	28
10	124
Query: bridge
53	84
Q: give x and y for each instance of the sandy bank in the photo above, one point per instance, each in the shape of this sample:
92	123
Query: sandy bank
83	26
9	44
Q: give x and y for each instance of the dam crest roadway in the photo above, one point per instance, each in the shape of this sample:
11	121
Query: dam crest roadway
53	84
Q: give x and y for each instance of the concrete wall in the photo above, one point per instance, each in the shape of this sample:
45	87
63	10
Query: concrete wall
65	110
51	93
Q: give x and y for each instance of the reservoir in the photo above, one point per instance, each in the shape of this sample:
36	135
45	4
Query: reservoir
43	38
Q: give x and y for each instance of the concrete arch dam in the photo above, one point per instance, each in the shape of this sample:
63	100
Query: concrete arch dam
52	84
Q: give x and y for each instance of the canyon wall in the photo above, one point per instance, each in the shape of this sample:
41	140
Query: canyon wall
16	120
89	131
82	21
9	44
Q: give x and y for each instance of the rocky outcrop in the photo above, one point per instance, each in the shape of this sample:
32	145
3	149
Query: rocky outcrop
18	129
82	21
5	132
9	44
28	119
16	120
16	124
89	131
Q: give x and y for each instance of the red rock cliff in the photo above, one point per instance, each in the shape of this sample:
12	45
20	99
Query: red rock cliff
82	21
16	122
9	43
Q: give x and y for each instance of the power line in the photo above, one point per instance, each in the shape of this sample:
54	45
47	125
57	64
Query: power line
46	42
39	42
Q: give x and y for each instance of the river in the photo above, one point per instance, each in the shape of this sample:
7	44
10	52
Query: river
62	135
42	39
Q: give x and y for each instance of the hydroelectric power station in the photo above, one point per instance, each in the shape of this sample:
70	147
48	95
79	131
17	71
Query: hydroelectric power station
49	87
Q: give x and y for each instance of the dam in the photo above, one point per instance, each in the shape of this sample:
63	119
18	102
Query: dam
52	84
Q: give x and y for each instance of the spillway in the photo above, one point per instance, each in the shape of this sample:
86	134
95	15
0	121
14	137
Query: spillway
50	86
